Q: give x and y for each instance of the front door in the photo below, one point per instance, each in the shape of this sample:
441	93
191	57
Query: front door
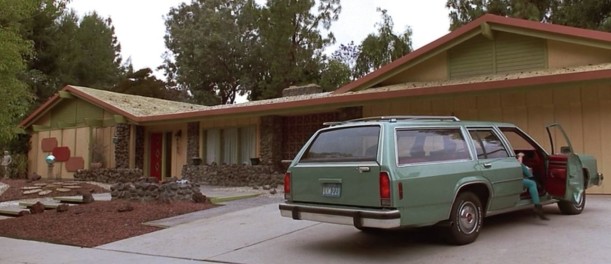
565	173
156	147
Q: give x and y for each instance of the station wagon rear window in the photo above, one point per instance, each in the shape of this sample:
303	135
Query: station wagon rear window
344	144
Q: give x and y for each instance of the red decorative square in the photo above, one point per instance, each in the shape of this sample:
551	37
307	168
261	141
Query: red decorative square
75	163
61	154
48	144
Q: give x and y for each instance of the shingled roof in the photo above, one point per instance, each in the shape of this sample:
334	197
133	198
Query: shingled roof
140	109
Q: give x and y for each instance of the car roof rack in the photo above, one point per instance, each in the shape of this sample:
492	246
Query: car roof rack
394	119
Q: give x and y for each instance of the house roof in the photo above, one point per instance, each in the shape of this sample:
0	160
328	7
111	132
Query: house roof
132	107
140	109
483	25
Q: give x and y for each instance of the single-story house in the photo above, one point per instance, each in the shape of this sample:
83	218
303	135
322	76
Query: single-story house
494	68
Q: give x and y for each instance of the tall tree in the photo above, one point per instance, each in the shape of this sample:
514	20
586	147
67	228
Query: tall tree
14	49
220	49
41	30
380	48
99	61
292	43
591	14
70	50
142	82
210	43
465	11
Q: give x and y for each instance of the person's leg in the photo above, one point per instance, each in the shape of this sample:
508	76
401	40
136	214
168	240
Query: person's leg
532	189
534	196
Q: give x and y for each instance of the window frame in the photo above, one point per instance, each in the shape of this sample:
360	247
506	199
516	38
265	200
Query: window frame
478	142
461	132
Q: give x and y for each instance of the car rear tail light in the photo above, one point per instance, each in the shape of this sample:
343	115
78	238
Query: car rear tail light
287	185
384	189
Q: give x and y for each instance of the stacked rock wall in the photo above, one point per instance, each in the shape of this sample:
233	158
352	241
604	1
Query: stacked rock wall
233	175
146	189
109	175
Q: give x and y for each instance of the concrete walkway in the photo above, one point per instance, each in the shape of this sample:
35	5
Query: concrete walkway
145	249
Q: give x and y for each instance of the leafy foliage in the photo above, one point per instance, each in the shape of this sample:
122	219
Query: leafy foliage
14	48
591	14
384	47
144	83
221	49
209	44
291	43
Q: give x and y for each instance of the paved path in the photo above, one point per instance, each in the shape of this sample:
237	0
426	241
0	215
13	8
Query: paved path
259	235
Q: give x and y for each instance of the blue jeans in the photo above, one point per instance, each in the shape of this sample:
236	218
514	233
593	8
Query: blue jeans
532	189
530	184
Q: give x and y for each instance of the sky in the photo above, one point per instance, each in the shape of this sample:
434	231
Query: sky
139	24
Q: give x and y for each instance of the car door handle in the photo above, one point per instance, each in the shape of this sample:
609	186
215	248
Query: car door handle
363	169
487	165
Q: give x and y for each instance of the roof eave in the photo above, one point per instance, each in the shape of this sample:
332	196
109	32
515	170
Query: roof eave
494	22
353	98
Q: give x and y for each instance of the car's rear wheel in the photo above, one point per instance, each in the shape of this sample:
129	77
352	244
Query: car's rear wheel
466	219
575	206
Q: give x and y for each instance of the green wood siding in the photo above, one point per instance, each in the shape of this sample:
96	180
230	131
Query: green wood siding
516	53
74	113
506	53
474	57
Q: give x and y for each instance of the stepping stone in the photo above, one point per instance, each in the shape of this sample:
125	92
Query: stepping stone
32	191
69	199
40	184
63	189
46	204
45	192
14	211
30	187
72	187
71	183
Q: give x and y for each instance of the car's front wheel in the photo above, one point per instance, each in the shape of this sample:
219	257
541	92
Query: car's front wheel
575	205
466	219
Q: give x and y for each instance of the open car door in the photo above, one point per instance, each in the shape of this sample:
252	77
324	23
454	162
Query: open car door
565	179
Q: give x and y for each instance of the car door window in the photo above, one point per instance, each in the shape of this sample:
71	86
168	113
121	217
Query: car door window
487	144
430	145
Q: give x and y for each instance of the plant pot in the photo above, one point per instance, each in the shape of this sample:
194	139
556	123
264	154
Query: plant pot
95	165
196	161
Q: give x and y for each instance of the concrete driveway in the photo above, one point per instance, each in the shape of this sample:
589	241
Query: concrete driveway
260	235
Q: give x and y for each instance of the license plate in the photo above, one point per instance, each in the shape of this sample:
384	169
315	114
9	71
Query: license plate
331	189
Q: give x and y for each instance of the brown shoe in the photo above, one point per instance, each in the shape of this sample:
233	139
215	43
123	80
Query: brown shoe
539	212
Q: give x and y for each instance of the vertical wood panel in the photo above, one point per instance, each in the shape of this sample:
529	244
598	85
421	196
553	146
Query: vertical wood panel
592	135
540	114
514	108
420	106
489	107
604	163
465	107
442	106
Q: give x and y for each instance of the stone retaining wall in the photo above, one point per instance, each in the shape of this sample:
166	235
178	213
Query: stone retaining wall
146	189
109	175
233	175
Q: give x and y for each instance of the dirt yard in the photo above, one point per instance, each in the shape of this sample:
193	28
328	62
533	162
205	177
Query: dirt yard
88	225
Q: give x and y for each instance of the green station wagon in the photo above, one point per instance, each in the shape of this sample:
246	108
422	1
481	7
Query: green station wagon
415	171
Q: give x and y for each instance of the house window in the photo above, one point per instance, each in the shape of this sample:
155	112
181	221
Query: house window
231	145
213	146
248	143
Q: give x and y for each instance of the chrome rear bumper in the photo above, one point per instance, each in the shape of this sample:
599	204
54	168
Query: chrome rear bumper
343	216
